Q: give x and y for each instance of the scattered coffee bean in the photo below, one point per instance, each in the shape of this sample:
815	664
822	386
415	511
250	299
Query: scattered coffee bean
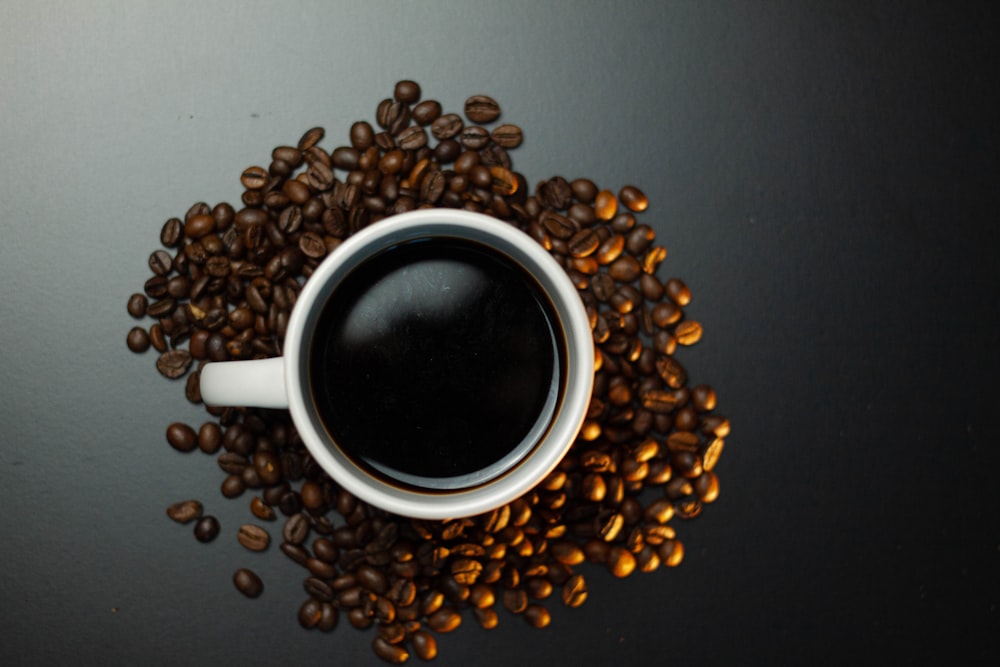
207	529
138	339
185	511
253	537
182	437
248	583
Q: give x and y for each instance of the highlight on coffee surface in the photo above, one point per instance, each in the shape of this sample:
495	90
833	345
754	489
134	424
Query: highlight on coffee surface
226	278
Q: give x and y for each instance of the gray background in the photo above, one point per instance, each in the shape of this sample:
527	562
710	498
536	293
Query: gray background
823	174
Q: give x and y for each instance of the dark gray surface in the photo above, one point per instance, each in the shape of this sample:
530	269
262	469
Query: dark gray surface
823	177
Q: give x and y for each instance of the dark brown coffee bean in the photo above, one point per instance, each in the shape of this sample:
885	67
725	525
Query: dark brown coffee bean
482	109
233	486
426	112
207	528
678	292
160	262
424	645
181	437
391	653
447	126
311	137
474	137
248	583
185	511
633	198
445	619
412	138
172	233
507	136
137	339
137	304
407	92
296	529
537	615
310	613
173	364
253	537
157	338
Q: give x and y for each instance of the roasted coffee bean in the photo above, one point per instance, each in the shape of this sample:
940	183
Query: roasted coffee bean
233	486
537	615
391	653
507	136
137	304
181	437
445	619
688	332
172	233
174	363
424	645
253	537
207	528
261	510
296	529
248	583
474	137
185	511
137	339
574	592
426	112
633	198
482	109
310	138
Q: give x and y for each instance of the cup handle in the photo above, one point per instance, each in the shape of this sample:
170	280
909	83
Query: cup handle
258	383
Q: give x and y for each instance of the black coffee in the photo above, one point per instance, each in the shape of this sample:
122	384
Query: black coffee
437	359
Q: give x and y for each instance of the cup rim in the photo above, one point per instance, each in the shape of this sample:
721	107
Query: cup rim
566	424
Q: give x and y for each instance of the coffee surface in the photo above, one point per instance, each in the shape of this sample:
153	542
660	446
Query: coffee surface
434	359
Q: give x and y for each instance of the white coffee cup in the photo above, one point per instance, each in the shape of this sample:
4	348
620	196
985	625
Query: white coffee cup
284	382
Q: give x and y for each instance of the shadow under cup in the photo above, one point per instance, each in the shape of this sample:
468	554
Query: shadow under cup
445	367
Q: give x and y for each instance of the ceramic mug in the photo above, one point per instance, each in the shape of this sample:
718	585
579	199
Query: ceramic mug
437	364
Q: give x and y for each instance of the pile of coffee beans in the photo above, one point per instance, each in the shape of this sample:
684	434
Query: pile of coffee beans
222	287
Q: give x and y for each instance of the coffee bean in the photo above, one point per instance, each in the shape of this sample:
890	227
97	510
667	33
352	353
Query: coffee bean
391	653
174	363
688	332
296	529
185	511
633	198
445	619
310	138
137	339
172	233
537	615
474	137
507	136
248	583
426	112
261	510
447	126
207	528
137	304
253	537
181	437
481	109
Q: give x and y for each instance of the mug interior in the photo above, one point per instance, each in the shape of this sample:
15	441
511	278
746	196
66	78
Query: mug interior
527	462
